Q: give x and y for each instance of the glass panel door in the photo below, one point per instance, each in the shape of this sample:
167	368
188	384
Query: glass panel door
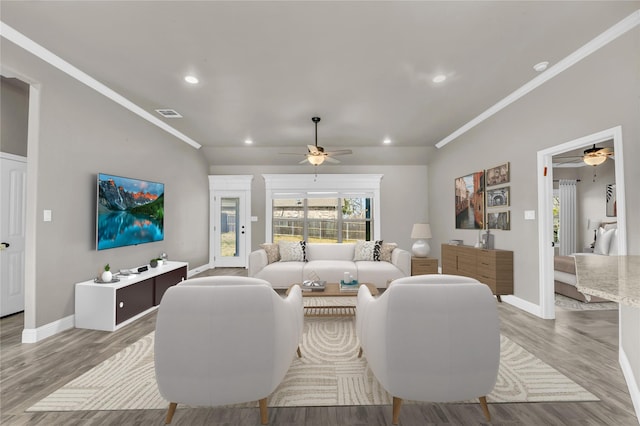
230	230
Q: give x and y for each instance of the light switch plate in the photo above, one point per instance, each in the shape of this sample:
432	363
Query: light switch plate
46	215
529	215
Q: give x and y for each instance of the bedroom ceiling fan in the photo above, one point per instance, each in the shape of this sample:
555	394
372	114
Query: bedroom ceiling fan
316	155
592	156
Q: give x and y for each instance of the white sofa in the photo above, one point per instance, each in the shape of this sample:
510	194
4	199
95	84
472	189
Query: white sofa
329	261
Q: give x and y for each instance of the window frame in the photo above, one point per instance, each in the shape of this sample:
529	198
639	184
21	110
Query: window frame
305	186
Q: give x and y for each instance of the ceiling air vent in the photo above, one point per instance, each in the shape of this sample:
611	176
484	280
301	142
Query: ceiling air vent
168	113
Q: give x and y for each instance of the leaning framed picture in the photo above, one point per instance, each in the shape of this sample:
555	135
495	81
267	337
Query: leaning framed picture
499	220
469	201
498	197
498	175
611	200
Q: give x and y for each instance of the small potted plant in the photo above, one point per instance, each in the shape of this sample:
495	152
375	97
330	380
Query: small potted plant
107	276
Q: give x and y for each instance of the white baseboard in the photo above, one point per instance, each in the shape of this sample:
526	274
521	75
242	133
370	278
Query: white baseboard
634	389
529	307
198	270
33	335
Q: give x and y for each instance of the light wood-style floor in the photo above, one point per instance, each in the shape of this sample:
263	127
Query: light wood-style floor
583	345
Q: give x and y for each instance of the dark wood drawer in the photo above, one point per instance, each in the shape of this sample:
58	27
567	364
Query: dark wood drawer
133	299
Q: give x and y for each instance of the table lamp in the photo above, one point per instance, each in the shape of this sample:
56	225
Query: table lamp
421	232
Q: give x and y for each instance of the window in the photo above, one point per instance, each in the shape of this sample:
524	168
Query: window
322	220
342	208
556	217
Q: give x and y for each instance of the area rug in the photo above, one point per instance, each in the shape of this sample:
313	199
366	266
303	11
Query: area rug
568	304
328	374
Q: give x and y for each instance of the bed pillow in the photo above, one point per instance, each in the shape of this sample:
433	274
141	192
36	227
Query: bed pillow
292	251
385	251
367	250
603	241
273	252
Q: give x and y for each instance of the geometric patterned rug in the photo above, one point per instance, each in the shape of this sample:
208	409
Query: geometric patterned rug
565	303
328	374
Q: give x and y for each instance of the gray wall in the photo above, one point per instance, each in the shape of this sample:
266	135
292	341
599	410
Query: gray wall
82	133
403	193
599	92
14	110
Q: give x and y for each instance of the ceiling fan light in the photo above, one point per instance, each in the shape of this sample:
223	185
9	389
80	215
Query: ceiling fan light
594	160
316	160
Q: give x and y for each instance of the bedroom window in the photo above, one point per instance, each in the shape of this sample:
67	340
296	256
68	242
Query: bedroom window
556	217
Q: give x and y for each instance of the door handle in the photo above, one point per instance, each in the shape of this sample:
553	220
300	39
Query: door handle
4	245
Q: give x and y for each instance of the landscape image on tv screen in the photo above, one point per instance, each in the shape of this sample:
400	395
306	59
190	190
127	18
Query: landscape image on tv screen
129	212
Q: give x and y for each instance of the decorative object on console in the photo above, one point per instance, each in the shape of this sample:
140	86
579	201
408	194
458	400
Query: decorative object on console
107	276
421	232
487	240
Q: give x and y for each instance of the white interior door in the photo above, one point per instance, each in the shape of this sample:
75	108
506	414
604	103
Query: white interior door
230	229
13	179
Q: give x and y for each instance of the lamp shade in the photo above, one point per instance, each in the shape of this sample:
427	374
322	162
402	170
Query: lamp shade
594	160
316	160
421	231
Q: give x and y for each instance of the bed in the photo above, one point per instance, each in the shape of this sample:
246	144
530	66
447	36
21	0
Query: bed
564	267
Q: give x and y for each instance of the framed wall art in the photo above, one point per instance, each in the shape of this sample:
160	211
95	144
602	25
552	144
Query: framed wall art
499	220
498	197
498	175
611	200
469	201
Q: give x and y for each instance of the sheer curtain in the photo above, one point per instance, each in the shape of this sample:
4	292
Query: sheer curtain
568	215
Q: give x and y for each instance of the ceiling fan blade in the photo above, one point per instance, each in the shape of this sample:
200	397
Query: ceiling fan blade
313	149
605	151
331	160
340	152
291	153
304	161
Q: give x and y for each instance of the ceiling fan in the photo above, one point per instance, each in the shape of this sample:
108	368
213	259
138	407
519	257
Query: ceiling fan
592	156
316	155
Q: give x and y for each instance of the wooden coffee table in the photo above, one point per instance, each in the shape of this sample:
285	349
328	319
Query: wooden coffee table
347	308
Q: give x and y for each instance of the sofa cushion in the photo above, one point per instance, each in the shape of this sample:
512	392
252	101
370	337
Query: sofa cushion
377	273
385	251
282	274
330	251
367	250
272	250
292	251
331	271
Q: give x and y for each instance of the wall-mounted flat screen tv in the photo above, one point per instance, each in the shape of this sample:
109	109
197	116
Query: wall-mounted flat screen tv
129	212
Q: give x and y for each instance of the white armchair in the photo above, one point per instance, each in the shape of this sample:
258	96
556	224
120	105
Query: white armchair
225	340
431	338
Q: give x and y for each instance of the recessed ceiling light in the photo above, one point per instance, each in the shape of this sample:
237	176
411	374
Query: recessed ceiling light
248	141
191	79
541	66
386	141
439	78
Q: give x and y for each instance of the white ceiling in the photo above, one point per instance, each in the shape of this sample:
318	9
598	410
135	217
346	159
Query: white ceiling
266	68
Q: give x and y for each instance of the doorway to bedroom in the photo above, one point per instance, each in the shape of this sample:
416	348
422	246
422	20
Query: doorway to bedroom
583	221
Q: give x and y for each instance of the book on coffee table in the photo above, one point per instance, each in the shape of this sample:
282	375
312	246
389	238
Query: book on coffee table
352	286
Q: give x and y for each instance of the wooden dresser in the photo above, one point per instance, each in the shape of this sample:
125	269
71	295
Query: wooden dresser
491	267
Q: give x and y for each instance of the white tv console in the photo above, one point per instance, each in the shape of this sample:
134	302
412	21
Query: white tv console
111	306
